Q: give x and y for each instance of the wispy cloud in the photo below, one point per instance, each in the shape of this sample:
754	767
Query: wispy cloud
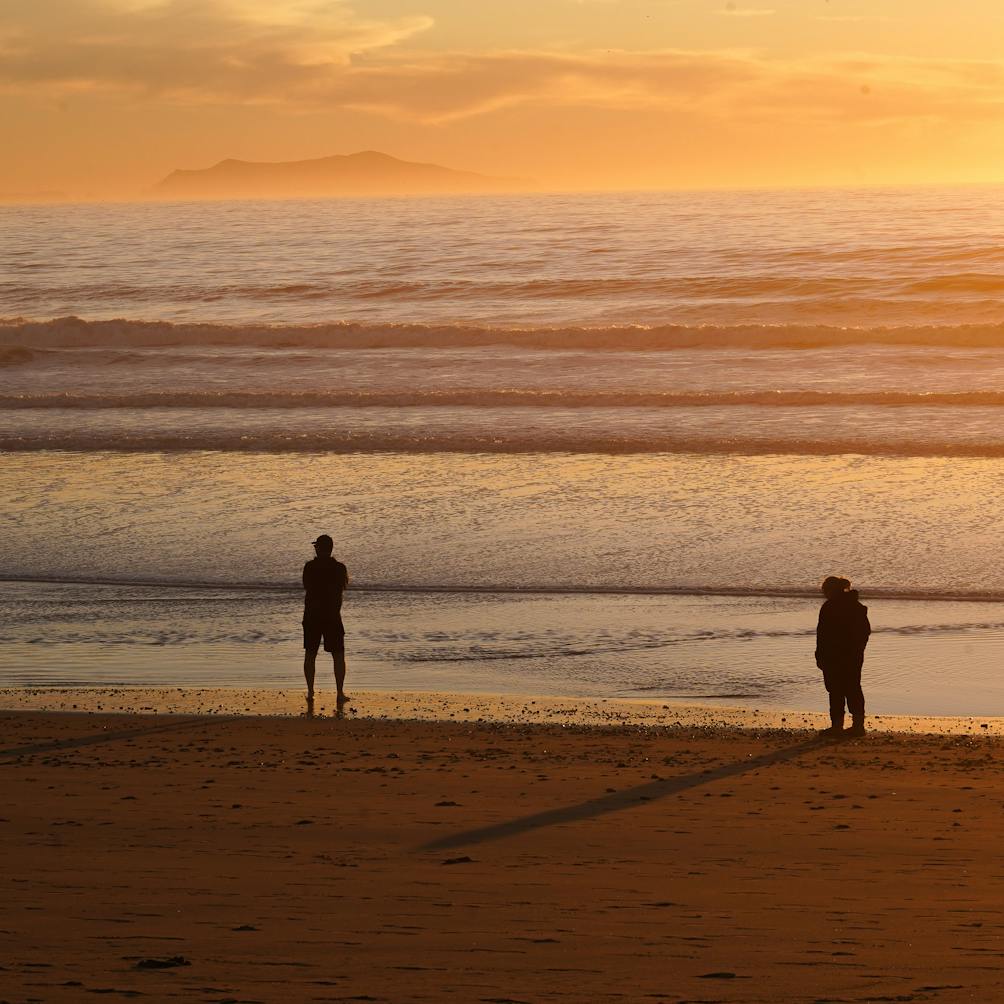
853	18
236	49
322	55
442	88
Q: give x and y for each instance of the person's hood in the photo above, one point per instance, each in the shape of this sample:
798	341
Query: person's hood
849	598
852	597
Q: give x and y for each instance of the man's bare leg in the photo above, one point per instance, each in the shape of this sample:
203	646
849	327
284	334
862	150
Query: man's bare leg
338	658
309	659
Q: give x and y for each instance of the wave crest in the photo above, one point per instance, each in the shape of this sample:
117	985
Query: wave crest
918	593
488	441
15	355
498	398
75	332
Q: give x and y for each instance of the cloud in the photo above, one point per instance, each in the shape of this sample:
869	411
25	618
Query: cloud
854	18
441	88
195	49
310	55
452	86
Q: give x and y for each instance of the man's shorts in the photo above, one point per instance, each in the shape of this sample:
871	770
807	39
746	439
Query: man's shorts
332	631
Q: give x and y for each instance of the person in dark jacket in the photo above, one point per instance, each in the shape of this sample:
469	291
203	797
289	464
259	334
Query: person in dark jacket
841	637
324	582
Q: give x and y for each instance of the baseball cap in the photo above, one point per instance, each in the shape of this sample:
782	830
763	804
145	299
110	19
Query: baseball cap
325	541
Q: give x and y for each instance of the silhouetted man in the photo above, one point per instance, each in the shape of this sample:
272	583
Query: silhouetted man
324	582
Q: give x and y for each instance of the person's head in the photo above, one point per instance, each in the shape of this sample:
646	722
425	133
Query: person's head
834	585
324	545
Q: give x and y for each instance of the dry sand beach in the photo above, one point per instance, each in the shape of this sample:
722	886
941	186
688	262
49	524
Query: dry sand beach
396	855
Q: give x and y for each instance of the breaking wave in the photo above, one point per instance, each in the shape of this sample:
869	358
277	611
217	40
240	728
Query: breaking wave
171	590
499	398
15	355
138	437
19	337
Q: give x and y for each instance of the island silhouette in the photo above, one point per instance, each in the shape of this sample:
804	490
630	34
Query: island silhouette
366	173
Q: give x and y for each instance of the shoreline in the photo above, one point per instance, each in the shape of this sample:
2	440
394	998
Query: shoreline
489	709
805	592
924	659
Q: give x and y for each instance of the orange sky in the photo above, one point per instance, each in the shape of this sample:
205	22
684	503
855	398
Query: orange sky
104	97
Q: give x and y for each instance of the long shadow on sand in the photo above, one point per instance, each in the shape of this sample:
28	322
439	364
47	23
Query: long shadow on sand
111	737
625	799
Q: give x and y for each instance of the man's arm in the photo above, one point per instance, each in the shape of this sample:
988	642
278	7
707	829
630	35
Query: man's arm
820	638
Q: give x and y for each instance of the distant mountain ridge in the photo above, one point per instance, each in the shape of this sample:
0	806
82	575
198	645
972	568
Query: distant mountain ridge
365	173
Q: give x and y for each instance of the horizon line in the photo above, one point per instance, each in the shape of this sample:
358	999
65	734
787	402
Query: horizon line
148	197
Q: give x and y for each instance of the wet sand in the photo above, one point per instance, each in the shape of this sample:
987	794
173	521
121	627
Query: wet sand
241	857
438	706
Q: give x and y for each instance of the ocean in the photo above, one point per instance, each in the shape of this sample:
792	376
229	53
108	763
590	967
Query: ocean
602	444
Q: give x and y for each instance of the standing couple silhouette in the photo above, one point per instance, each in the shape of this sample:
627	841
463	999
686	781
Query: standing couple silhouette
841	635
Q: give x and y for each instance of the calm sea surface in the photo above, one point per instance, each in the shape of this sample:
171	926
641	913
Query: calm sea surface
538	427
